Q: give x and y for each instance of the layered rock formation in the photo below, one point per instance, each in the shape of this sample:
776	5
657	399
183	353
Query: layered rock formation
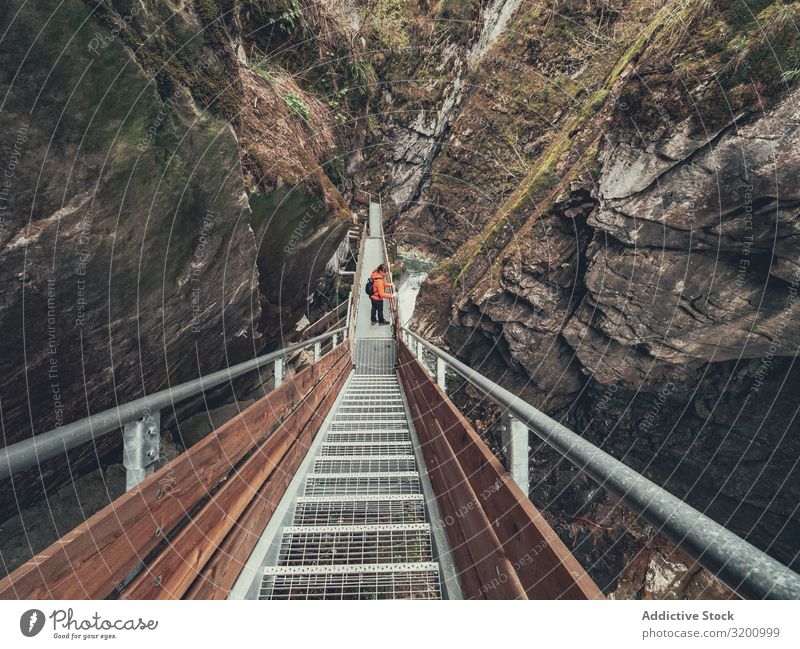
615	209
610	187
150	151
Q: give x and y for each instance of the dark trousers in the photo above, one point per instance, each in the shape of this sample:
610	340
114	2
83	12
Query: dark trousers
376	315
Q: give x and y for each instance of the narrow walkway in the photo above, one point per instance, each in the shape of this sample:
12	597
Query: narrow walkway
373	257
360	528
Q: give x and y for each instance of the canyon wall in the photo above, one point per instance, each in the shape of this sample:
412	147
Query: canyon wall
173	190
614	209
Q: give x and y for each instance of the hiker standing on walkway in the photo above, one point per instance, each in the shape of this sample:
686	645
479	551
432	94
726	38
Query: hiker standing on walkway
376	289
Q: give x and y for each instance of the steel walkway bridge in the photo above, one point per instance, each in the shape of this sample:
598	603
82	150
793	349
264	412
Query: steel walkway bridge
355	478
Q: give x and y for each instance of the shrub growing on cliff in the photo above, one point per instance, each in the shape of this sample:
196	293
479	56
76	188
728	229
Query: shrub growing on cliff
297	107
389	19
790	75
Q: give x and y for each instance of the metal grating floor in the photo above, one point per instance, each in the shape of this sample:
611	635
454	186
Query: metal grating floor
370	436
359	530
415	581
360	463
351	449
369	510
362	484
375	356
357	544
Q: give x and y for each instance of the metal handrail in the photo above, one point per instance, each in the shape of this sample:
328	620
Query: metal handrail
310	328
34	450
394	305
355	294
744	568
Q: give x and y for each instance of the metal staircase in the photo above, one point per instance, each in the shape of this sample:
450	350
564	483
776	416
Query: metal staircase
355	478
360	530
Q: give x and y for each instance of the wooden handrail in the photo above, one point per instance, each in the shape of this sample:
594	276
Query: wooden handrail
146	523
219	574
502	545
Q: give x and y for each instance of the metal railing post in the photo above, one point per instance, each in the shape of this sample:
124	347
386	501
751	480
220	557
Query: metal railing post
421	359
515	448
33	451
441	369
346	333
335	340
317	351
278	372
141	448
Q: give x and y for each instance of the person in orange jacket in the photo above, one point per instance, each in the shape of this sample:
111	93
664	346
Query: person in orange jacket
379	286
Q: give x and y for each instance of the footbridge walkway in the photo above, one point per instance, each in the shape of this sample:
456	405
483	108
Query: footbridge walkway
355	478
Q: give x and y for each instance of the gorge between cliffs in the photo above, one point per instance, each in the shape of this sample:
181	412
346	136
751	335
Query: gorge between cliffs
602	196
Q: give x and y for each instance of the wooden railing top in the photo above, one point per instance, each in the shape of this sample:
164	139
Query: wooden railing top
179	519
502	545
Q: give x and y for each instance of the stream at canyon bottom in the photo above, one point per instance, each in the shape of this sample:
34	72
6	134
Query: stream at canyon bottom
416	270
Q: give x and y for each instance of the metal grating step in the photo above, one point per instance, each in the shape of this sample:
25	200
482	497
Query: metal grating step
382	409
360	530
359	544
376	413
381	345
389	386
390	581
365	464
370	436
350	449
369	425
359	402
375	419
367	510
375	357
360	484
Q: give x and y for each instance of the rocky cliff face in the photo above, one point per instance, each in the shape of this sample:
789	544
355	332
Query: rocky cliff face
615	211
609	187
151	150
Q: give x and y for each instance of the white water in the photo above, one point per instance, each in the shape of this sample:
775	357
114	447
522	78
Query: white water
417	270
